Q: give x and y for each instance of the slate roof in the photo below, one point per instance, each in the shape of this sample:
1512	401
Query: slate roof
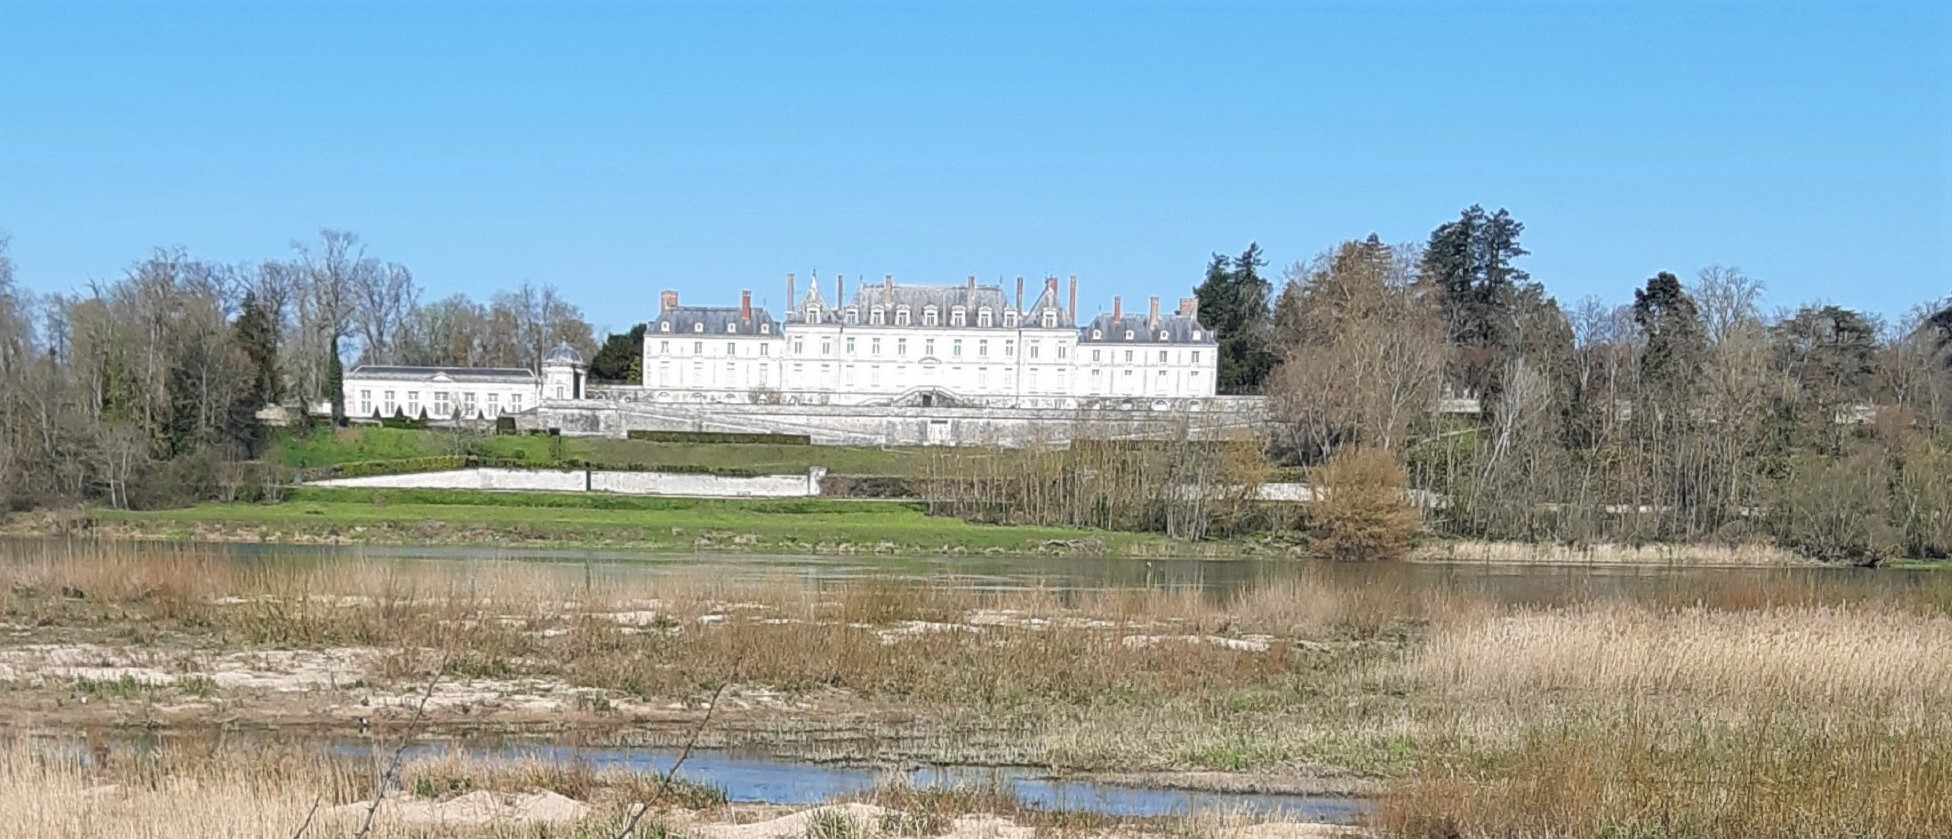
684	319
1179	329
472	375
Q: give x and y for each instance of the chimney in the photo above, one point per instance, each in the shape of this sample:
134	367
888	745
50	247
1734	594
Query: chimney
1152	315
887	289
1189	306
1070	308
970	299
745	305
667	300
790	302
1019	293
840	292
1118	308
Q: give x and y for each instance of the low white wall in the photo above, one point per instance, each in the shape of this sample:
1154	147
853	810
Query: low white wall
625	483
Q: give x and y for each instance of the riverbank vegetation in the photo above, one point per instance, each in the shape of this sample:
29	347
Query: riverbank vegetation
1816	699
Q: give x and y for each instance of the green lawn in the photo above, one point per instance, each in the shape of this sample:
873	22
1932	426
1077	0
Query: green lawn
458	516
326	447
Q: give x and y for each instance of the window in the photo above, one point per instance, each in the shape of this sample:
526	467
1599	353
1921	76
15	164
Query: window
930	317
982	377
853	315
982	349
1032	346
698	327
1050	318
515	402
731	348
765	329
1010	318
1128	334
850	346
1062	351
877	316
1009	349
1097	334
495	404
874	375
664	327
874	346
901	316
928	347
984	317
664	348
799	347
1162	358
698	348
389	403
413	403
1164	335
731	328
1196	335
1094	355
813	314
955	348
958	316
559	391
467	405
1128	355
901	346
826	346
365	403
442	407
765	350
1196	356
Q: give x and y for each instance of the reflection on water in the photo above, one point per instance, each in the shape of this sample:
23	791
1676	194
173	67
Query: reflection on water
1536	584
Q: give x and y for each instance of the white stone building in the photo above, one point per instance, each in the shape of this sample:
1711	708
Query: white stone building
923	346
462	393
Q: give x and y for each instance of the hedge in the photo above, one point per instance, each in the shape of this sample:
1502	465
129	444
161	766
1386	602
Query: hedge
370	468
720	437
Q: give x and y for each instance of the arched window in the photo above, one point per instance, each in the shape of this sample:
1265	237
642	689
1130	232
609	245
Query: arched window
1164	336
1129	335
731	327
664	327
698	327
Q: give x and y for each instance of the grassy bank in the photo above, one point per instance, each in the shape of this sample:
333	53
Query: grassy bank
329	447
1792	708
360	516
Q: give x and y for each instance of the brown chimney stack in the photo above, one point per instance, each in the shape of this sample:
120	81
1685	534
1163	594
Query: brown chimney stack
888	286
1071	308
1118	308
1152	313
1189	306
970	296
667	300
745	305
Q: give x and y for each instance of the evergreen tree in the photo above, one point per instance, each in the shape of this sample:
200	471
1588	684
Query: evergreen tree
1234	300
1675	338
256	335
1942	324
335	382
621	358
1471	263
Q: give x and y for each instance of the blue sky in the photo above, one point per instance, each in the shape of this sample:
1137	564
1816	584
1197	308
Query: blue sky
616	149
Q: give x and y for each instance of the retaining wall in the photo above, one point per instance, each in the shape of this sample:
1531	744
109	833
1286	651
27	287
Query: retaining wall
579	480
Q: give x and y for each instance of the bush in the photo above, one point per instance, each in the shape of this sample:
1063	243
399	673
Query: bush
1361	510
719	437
1837	510
369	468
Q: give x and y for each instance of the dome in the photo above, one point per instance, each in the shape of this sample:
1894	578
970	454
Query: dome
563	354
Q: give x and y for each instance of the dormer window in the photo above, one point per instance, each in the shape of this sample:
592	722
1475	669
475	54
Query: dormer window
813	314
901	316
958	316
1010	318
1097	334
853	315
1050	318
1128	335
698	327
984	317
664	327
731	328
1164	336
1196	335
877	316
931	317
765	329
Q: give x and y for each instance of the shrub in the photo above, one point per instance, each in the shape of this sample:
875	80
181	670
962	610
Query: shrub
1837	510
1361	510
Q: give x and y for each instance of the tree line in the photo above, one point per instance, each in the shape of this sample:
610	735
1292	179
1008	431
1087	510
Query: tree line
1689	413
144	389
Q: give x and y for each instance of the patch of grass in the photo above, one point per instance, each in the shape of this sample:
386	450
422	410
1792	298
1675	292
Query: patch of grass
326	447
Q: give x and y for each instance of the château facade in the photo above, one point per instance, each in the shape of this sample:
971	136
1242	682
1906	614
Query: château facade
923	346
